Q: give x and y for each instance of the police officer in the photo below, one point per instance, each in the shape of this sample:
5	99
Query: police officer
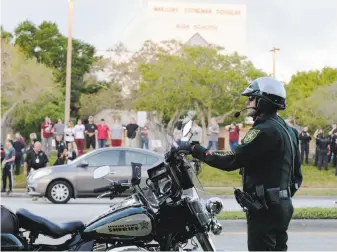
35	159
305	139
323	150
270	164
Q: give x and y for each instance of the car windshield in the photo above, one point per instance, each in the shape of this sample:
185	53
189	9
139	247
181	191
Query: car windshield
83	156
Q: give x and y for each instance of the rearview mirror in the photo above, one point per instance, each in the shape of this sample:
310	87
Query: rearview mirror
187	128
101	172
83	164
136	173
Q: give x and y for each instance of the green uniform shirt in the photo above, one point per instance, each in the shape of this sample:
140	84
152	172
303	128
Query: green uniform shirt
264	155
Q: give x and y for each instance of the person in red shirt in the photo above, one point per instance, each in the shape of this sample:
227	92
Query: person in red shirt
102	133
47	135
233	135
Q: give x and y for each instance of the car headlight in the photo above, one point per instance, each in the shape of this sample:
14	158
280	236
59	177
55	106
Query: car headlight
40	173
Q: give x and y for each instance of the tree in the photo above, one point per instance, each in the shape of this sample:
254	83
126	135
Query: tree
49	46
196	77
301	87
6	36
28	88
319	109
123	67
109	95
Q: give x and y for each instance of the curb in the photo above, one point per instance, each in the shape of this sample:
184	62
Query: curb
15	195
305	224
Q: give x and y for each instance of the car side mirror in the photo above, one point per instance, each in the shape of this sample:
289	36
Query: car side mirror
83	164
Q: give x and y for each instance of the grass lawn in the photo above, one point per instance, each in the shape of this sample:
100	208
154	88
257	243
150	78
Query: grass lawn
299	213
312	178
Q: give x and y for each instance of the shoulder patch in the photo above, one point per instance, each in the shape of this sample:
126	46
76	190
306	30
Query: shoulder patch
223	154
250	136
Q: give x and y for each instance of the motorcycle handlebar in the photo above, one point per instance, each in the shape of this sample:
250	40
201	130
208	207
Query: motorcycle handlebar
119	186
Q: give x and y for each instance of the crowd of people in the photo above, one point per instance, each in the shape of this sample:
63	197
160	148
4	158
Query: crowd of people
70	142
213	134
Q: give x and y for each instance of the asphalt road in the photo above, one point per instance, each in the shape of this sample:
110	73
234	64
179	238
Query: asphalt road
303	234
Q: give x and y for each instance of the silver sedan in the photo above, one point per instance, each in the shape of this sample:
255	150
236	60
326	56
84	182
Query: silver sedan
75	180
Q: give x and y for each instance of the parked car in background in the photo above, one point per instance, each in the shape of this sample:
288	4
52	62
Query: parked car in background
75	180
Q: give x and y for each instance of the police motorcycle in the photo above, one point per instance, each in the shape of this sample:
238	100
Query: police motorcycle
164	215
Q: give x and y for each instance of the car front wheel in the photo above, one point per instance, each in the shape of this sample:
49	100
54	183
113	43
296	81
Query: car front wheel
59	192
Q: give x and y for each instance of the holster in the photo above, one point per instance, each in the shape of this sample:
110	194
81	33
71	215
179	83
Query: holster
249	202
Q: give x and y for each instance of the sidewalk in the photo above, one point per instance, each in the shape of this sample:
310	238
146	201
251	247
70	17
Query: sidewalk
17	193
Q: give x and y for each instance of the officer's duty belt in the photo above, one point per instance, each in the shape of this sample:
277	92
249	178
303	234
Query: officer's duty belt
282	193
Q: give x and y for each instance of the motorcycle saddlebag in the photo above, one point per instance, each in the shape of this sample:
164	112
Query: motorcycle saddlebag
10	243
9	222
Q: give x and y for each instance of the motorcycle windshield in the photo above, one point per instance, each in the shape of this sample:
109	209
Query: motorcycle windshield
196	192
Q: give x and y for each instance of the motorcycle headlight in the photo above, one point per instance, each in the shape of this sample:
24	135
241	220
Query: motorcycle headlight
214	205
40	173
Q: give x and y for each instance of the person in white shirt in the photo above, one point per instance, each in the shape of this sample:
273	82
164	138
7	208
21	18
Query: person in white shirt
79	136
197	132
69	133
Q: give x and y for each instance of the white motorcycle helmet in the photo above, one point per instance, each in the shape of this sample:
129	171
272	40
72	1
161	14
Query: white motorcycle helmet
269	93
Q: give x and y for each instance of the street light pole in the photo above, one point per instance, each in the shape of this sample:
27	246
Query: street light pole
69	55
274	56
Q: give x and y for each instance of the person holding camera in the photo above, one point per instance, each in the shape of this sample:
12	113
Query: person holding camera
305	139
270	164
72	152
61	149
322	149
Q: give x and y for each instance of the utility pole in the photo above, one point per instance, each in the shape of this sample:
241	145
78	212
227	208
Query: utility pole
274	56
69	55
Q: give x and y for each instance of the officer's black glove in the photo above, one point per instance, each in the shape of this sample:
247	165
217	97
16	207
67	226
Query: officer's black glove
185	147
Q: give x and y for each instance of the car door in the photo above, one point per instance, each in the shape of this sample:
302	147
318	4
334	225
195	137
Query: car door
145	159
85	183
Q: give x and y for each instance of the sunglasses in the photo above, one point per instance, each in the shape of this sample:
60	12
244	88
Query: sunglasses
251	98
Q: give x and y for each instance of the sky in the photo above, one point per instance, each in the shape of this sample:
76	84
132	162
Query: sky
304	30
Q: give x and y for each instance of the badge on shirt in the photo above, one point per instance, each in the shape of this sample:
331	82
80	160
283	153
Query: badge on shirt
92	126
37	160
250	136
